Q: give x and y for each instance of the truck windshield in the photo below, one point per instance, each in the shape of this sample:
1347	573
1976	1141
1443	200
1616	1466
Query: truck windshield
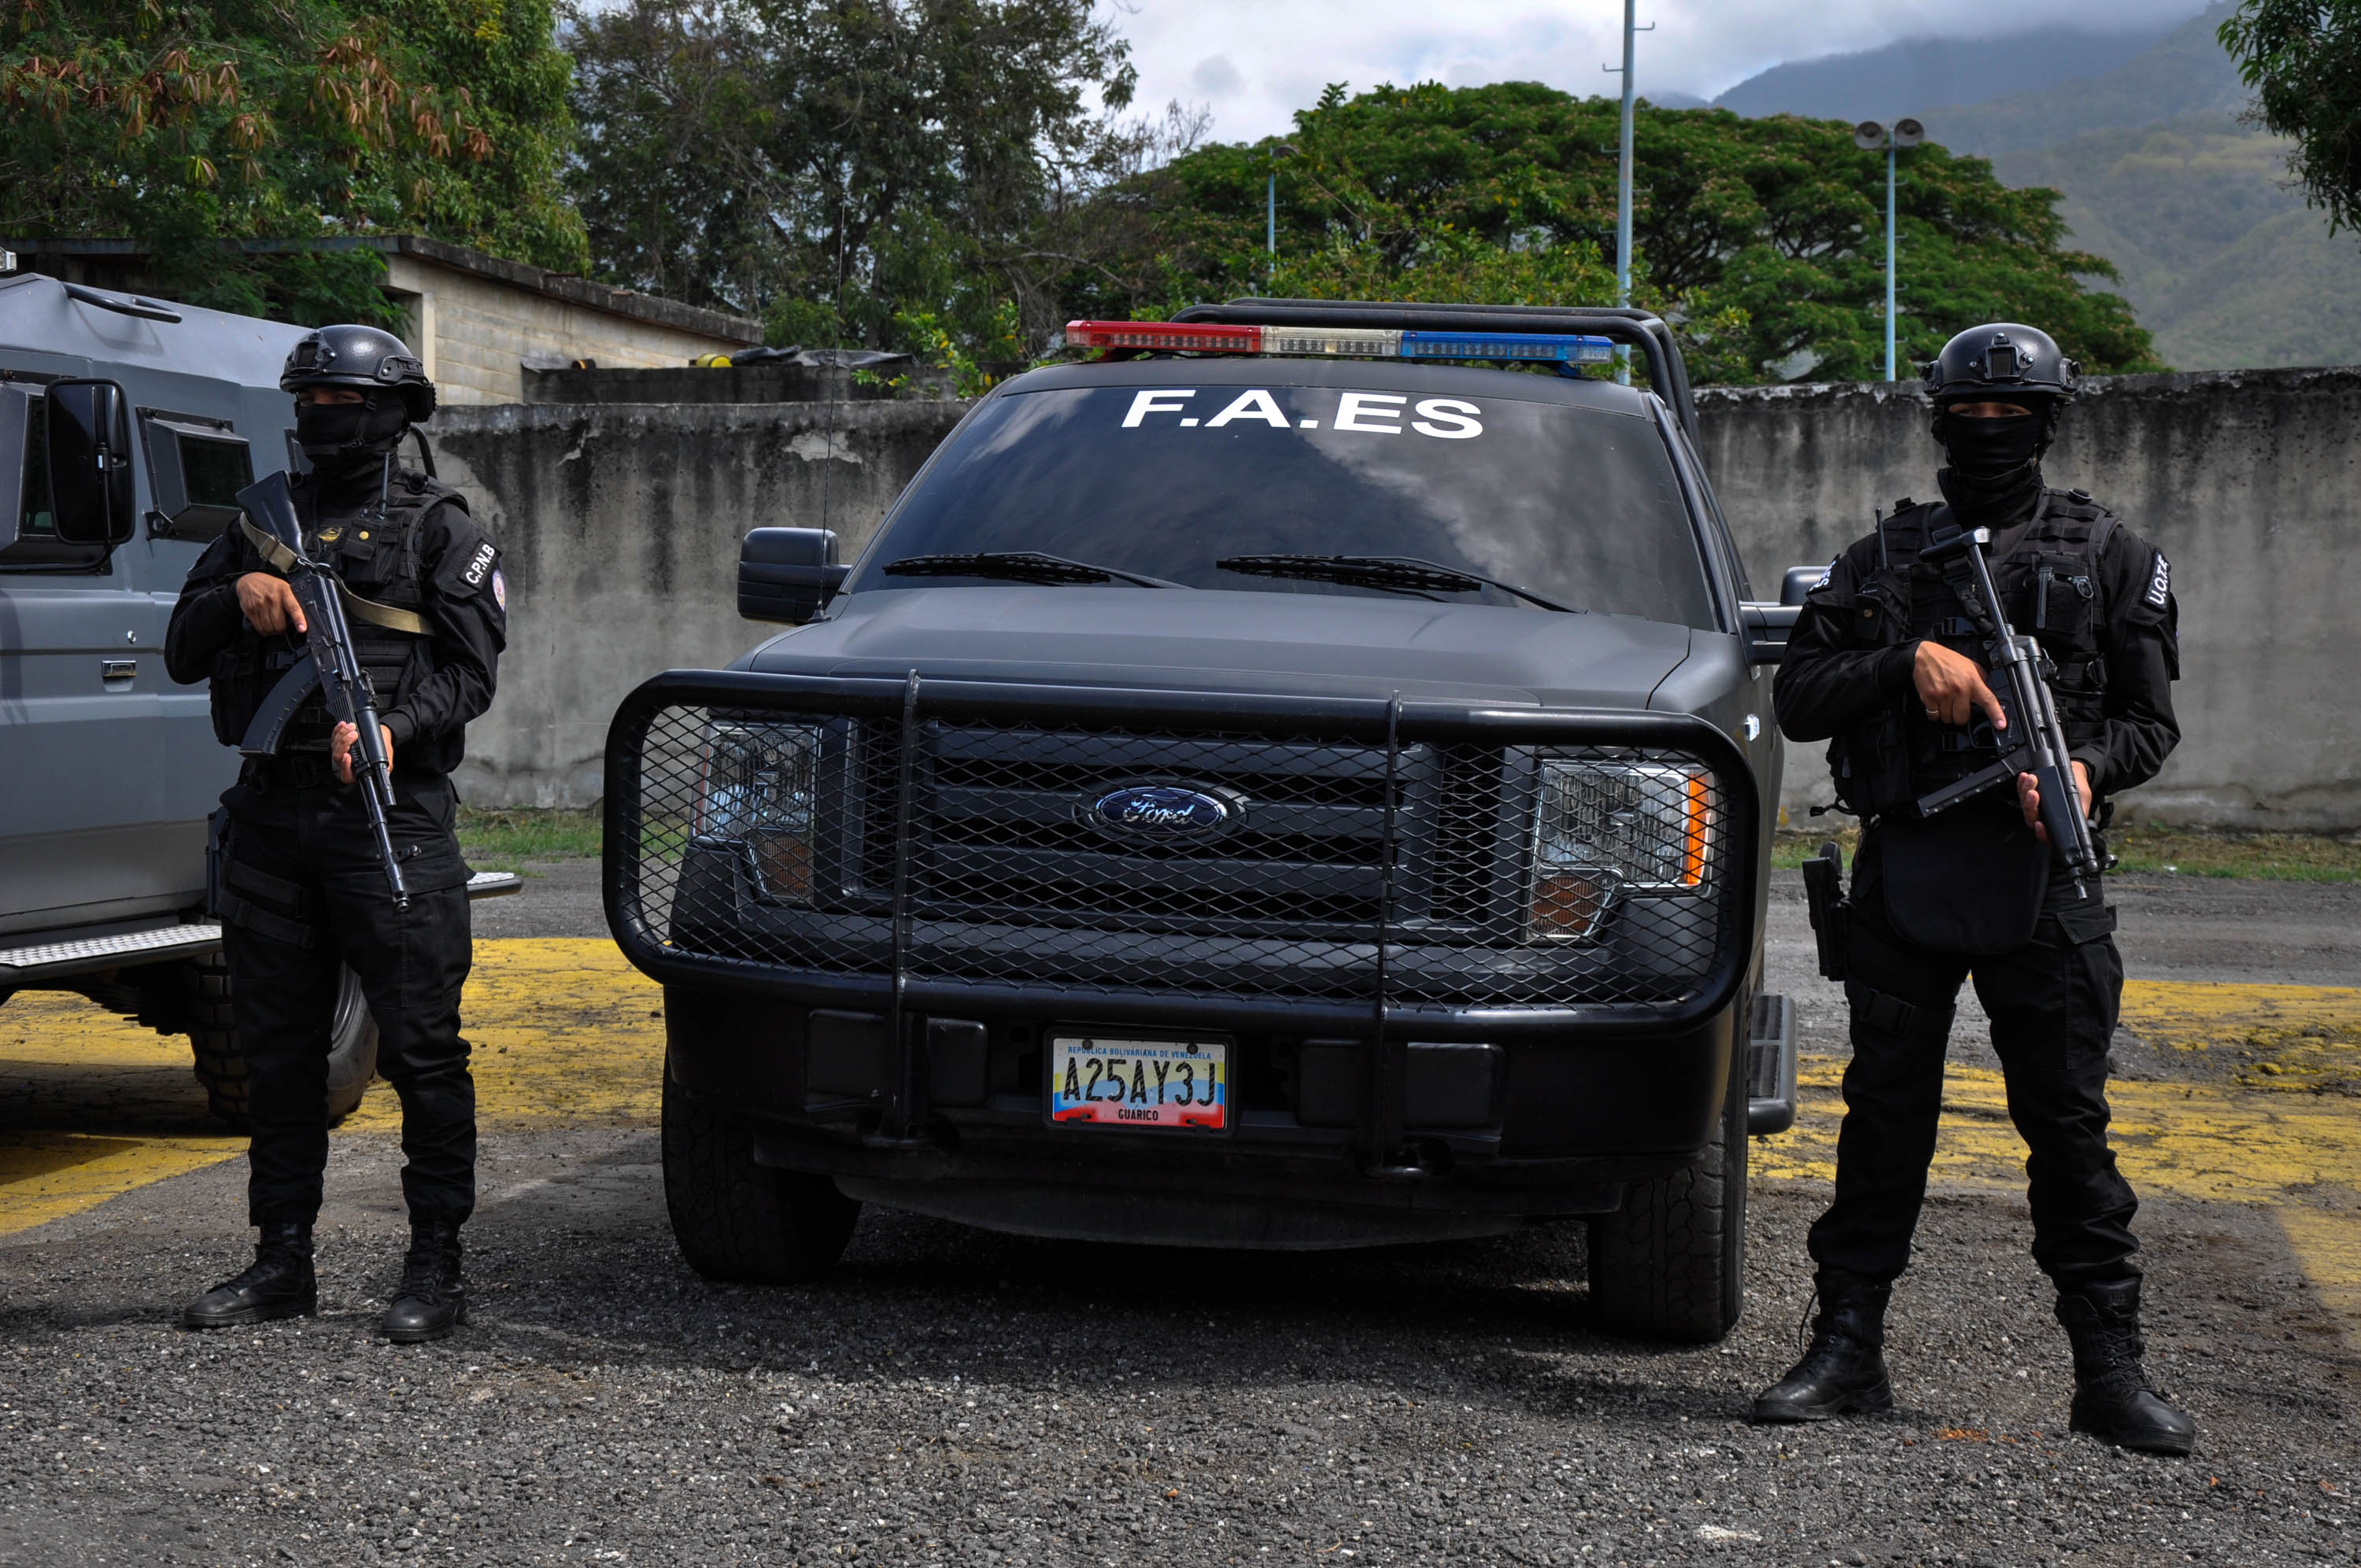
1579	505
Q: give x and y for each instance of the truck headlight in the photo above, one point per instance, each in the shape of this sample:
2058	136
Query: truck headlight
761	790
1608	828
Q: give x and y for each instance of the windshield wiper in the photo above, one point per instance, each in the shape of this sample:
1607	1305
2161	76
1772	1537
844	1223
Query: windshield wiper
1019	567
1404	573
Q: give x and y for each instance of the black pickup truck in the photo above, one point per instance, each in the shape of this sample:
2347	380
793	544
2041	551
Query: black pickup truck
1302	780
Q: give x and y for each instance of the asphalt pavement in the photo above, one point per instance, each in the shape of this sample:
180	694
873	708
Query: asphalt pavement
950	1396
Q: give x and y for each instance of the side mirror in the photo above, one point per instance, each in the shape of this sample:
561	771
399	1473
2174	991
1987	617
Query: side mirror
787	574
1767	628
1799	582
90	462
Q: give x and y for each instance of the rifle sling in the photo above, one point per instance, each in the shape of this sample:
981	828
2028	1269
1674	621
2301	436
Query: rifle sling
283	560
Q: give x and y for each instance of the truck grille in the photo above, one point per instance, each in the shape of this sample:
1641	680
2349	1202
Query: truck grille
1199	863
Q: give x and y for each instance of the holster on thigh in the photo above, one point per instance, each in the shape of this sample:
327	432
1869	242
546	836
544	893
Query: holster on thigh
1882	1012
268	906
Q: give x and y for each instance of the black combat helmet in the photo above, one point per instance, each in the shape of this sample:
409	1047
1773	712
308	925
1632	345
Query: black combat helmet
2000	362
364	359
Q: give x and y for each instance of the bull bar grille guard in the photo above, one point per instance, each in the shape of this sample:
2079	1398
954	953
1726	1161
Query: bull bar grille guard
929	920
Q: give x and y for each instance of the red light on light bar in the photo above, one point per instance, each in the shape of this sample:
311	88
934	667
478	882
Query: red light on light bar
1165	336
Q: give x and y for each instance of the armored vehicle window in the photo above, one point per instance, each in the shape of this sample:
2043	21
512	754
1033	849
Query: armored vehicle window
198	467
1579	505
29	529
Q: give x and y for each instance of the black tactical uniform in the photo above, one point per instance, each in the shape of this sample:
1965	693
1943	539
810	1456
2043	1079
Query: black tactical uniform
1972	892
301	886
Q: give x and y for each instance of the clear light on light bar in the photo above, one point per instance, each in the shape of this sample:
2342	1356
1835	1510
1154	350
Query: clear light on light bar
1354	342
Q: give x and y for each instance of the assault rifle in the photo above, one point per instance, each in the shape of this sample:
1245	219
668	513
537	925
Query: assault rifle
2035	741
328	666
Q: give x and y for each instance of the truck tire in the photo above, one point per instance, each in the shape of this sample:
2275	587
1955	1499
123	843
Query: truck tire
1671	1264
221	1061
737	1221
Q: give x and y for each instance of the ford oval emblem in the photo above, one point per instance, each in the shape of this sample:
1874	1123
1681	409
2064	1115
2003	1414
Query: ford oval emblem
1163	812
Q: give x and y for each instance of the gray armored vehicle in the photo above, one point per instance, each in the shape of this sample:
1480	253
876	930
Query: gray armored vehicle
127	426
1304	780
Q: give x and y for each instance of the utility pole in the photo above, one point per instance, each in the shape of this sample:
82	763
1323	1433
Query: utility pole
1869	136
1623	186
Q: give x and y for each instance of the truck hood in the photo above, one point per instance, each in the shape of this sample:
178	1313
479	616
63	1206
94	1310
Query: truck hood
1200	640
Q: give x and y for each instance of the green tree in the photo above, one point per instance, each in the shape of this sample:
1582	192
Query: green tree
857	172
1762	241
181	125
2302	57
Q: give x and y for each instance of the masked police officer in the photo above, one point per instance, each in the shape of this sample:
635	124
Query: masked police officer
1884	662
301	889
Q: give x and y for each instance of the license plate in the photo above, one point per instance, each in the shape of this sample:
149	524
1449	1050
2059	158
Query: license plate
1104	1081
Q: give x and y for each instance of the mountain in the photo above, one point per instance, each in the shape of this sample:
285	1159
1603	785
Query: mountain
1914	74
2221	259
2185	73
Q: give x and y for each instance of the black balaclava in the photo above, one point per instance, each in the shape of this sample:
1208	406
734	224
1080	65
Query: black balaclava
1994	476
349	444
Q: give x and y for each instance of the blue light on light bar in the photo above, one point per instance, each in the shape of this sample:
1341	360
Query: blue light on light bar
1539	346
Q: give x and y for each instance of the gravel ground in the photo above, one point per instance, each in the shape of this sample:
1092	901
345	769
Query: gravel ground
955	1398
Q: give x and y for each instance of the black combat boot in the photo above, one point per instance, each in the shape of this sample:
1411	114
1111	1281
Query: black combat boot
279	1285
431	1299
1844	1370
2112	1399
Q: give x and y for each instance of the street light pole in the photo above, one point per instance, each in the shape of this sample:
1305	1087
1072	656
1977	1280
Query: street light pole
1270	223
1271	213
1889	258
1869	136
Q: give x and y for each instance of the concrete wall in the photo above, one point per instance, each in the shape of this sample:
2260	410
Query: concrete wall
474	331
2249	481
620	527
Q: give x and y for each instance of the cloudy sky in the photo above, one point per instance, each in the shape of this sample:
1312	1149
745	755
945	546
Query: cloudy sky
1254	62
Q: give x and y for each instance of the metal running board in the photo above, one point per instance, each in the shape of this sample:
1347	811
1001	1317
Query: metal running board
44	961
51	960
1771	1067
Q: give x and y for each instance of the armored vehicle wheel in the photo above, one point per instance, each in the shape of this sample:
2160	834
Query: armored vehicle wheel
737	1220
1670	1264
221	1061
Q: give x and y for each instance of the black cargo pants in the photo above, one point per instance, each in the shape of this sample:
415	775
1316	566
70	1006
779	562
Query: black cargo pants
303	892
2053	1004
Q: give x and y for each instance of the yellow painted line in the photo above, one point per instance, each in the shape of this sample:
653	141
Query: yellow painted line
2201	1141
92	1106
2327	1242
2297	1038
48	1175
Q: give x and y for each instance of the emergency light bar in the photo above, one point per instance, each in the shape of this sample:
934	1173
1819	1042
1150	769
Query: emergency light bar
1352	343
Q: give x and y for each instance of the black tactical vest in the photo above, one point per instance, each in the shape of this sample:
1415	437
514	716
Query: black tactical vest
2049	586
377	554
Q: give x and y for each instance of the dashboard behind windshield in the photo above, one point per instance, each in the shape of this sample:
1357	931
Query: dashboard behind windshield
1579	505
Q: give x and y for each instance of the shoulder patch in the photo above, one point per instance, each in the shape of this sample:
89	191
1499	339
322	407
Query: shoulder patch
479	564
499	590
2160	583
